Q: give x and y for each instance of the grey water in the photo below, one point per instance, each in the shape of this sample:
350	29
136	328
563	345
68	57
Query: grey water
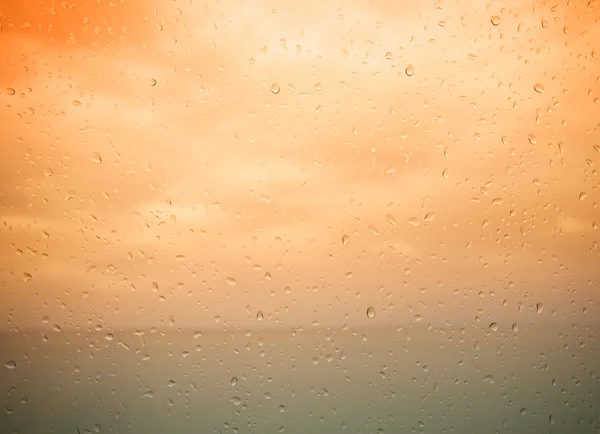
537	379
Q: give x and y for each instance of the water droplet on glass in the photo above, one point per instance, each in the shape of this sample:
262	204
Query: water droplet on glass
410	70
538	88
345	239
429	217
495	20
275	88
259	315
96	158
582	195
494	327
236	400
11	364
234	381
26	277
539	307
281	408
390	218
523	411
231	281
388	55
371	312
152	82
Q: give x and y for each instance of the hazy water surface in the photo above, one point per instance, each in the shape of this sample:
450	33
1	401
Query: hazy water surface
303	381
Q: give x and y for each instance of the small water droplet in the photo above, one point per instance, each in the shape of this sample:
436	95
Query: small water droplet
538	87
371	312
234	381
539	307
152	82
275	88
494	327
429	217
345	239
10	91
281	408
413	221
388	55
259	315
11	364
231	281
495	20
582	195
96	158
390	218
410	70
523	411
26	277
236	400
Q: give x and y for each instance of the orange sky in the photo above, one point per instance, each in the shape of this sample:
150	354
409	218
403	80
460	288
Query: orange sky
189	163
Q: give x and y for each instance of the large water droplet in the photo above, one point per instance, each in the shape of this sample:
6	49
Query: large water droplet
494	327
371	312
11	364
538	87
495	20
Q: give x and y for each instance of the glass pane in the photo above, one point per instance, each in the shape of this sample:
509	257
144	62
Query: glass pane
301	217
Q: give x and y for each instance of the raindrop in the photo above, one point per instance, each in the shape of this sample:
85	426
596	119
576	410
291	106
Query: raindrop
371	312
494	327
429	217
96	158
390	218
495	20
409	70
523	411
152	82
275	88
11	364
539	307
231	281
582	195
234	381
259	315
538	88
236	400
413	221
281	408
10	91
345	239
26	277
388	55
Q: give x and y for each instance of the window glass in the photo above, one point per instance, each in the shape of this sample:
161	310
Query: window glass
300	217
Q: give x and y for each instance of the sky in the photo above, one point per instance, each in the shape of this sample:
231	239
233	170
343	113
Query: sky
188	164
